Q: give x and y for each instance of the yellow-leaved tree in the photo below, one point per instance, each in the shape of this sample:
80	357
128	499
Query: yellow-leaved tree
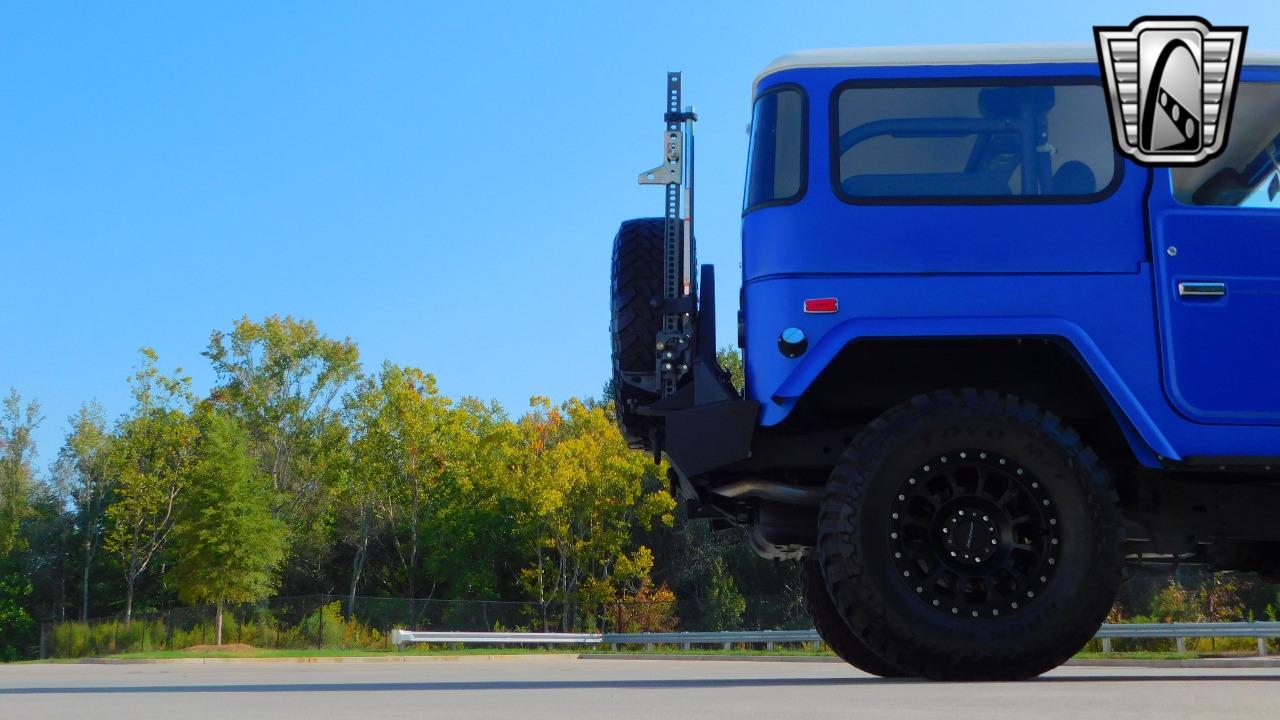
583	494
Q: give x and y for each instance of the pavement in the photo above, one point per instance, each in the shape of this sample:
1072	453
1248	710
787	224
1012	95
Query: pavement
564	687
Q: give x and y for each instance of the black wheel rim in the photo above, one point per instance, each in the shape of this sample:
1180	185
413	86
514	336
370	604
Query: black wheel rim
974	534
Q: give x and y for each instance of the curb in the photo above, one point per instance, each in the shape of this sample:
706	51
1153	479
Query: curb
1242	662
326	660
716	658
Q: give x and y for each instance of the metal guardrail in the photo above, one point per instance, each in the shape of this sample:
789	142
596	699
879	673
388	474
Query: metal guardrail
1178	631
1181	631
724	638
403	637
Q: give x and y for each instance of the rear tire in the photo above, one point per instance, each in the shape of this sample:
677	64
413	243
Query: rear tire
636	317
834	632
970	535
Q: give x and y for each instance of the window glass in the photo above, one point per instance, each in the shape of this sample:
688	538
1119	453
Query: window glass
775	160
995	141
1244	174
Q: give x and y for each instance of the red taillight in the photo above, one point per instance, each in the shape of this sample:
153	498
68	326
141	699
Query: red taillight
821	305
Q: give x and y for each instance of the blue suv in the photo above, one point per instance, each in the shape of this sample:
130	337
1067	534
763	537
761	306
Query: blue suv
988	360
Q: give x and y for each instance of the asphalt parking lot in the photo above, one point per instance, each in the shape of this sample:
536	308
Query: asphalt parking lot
564	687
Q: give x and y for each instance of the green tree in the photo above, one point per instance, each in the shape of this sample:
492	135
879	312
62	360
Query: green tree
281	378
16	624
83	474
17	449
408	441
17	485
227	545
730	359
725	603
149	458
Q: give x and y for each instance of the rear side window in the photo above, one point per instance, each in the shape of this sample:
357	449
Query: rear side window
1002	142
1247	173
776	157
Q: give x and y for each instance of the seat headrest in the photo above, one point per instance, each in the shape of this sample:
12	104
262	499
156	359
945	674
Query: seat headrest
1074	178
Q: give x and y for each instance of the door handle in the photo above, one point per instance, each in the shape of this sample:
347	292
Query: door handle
1202	289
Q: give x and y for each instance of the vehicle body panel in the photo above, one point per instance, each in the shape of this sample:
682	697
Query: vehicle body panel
1179	375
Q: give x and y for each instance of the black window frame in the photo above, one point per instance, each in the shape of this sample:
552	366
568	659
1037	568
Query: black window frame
804	148
833	138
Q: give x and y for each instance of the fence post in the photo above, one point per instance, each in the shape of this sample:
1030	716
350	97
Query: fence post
1262	647
44	640
1182	644
1106	645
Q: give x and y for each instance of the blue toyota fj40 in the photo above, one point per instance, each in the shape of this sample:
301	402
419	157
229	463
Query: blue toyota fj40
988	359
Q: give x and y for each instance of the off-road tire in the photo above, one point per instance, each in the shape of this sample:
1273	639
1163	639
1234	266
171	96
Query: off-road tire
635	295
832	629
891	613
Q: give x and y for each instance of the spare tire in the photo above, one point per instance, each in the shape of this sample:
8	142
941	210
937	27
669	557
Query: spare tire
635	294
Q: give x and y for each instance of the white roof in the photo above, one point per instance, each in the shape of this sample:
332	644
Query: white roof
957	55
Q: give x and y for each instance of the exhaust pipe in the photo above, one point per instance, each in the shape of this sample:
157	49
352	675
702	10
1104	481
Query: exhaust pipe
770	490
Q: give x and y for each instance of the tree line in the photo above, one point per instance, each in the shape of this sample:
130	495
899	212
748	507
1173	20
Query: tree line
302	472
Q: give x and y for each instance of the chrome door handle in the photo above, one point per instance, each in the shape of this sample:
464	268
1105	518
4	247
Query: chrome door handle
1202	289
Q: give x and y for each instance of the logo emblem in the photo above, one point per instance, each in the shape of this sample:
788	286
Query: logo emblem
1170	87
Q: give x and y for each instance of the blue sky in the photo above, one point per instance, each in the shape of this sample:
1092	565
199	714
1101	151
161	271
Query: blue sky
439	181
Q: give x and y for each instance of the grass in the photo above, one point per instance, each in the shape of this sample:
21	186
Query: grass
332	652
1143	655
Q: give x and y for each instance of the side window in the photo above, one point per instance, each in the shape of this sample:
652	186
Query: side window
1247	173
776	157
1003	142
